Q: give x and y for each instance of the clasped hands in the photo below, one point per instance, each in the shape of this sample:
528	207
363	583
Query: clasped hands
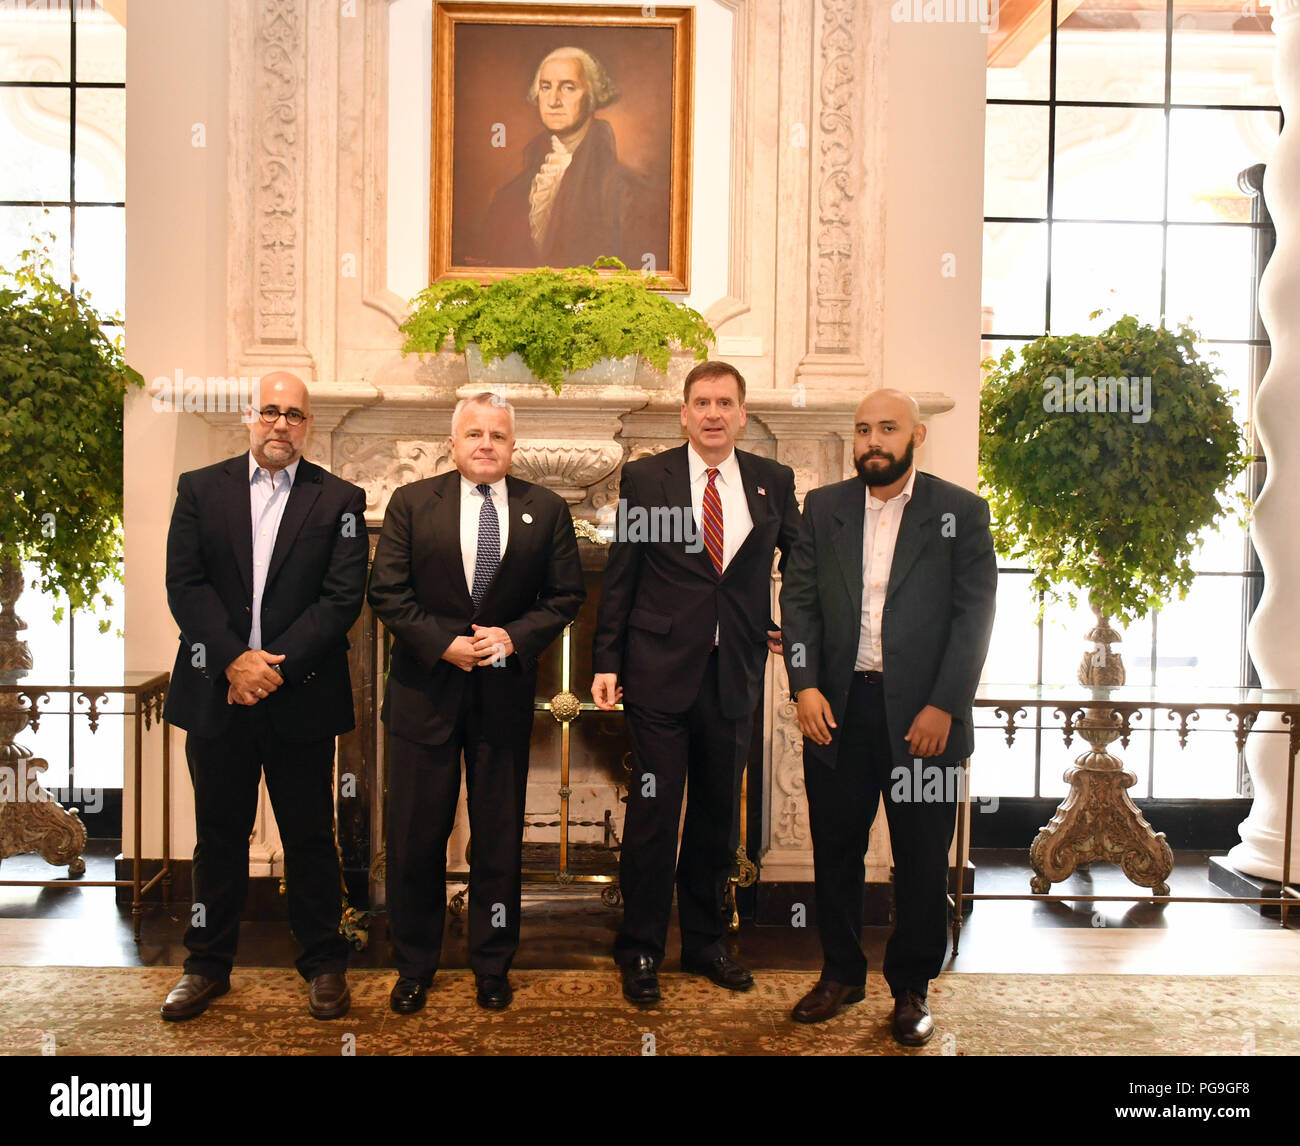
251	676
489	645
928	735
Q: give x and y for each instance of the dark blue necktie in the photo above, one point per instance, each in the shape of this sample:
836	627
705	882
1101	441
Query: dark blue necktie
489	546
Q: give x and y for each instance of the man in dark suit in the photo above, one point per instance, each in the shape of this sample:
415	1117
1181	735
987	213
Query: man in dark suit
886	613
475	574
266	572
683	631
574	201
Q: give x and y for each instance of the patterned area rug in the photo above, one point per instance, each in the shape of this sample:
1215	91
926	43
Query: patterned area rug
114	1011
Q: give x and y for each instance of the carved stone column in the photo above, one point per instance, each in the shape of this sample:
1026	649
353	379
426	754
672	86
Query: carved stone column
1274	636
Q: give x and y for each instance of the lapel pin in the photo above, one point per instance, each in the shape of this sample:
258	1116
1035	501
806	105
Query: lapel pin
528	519
762	492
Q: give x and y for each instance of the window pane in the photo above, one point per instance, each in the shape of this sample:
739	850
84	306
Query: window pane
35	43
1208	150
1206	769
101	258
1015	160
1199	638
101	47
34	140
1110	163
1015	277
1013	651
1019	52
1211	280
101	145
1099	266
21	228
1064	644
1223	56
1104	52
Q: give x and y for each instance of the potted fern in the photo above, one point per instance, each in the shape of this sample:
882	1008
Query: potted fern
554	326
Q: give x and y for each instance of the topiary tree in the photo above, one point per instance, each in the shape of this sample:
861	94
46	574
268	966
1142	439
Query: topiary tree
1104	458
62	387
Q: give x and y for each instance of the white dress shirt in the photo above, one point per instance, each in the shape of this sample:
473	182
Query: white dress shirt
736	522
268	494
879	535
471	505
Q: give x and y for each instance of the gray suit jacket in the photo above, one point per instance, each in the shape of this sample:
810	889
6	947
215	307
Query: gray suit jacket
938	614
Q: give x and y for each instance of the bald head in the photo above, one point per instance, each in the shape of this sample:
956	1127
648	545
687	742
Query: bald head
887	428
894	404
281	396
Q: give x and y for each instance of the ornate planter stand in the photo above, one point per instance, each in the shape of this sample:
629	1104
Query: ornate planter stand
1098	820
31	820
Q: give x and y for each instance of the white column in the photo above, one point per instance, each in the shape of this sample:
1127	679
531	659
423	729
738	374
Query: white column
1274	637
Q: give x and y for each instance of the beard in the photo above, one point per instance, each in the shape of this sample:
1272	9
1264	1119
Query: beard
889	474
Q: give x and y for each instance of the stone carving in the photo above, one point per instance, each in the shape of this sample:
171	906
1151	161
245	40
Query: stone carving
790	805
379	465
568	468
279	170
835	180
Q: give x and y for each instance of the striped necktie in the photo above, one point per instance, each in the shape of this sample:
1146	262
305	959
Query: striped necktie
489	546
713	521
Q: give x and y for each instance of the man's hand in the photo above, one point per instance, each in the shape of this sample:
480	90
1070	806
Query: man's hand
774	642
815	719
251	674
234	696
928	735
605	690
461	653
491	645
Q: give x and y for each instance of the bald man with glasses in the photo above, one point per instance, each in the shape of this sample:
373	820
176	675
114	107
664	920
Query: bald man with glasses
266	572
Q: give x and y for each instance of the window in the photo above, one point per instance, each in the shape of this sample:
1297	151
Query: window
63	135
1116	139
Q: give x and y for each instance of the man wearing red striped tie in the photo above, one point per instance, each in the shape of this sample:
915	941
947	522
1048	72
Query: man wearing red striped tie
682	636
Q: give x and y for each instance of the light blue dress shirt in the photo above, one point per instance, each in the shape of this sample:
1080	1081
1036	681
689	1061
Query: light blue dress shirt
268	495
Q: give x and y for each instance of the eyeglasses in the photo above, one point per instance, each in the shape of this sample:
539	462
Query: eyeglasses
271	415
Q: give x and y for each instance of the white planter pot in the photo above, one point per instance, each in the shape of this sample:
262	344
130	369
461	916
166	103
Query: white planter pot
512	370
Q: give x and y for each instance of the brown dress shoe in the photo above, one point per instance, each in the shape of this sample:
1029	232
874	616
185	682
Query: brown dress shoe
824	1001
329	997
912	1023
191	997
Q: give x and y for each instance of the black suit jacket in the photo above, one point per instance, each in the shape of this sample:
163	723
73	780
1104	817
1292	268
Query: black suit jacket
417	588
937	619
661	602
314	589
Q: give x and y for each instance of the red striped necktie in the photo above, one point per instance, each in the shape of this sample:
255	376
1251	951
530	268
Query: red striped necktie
713	521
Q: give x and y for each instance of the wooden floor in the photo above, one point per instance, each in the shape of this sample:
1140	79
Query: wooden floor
72	926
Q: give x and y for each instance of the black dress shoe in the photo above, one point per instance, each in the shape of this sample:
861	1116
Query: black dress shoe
329	997
640	981
191	997
494	992
407	996
912	1023
723	970
824	1001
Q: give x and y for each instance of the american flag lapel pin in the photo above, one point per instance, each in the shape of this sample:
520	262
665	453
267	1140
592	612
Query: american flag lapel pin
762	492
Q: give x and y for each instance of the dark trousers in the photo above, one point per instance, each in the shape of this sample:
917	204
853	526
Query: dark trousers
667	750
423	789
300	780
842	803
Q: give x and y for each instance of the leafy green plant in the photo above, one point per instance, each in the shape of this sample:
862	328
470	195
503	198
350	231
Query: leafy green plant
1111	500
62	388
557	321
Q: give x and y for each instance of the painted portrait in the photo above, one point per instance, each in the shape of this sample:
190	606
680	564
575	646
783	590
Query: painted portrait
561	135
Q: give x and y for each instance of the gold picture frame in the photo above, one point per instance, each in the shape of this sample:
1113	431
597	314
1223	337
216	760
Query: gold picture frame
560	130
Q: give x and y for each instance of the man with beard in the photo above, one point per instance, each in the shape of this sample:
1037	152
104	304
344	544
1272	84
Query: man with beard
887	609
